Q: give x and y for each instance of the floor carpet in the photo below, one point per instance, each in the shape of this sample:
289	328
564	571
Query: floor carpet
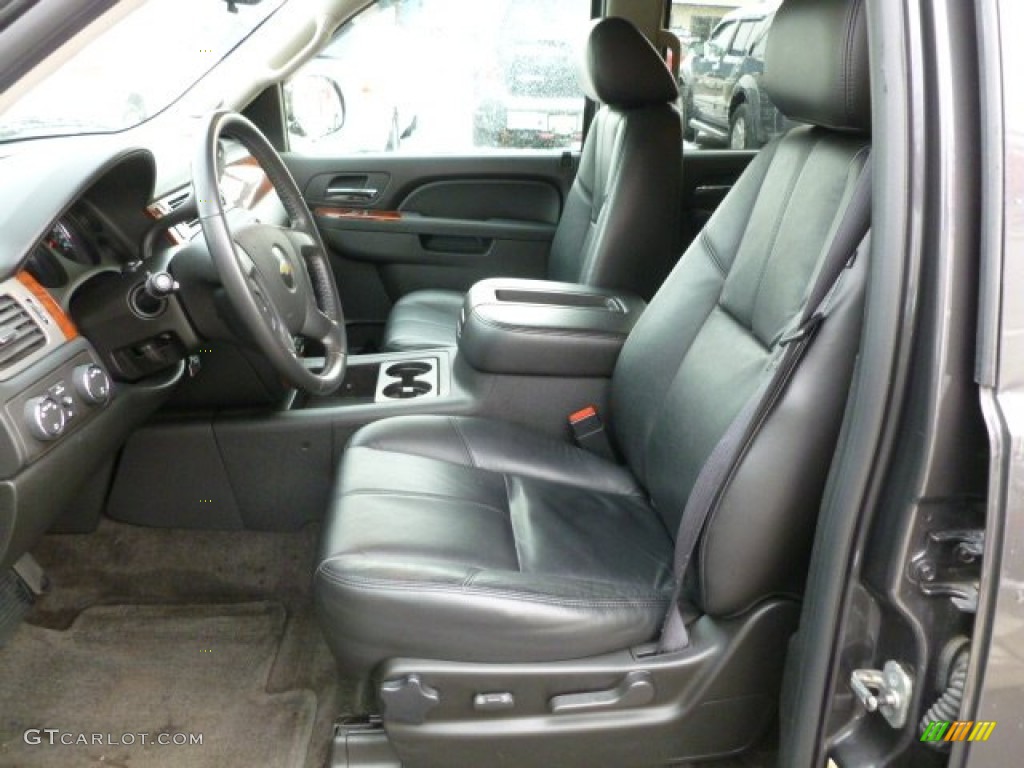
116	591
188	574
123	671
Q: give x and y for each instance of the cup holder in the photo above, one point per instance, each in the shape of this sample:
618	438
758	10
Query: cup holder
407	379
403	390
409	370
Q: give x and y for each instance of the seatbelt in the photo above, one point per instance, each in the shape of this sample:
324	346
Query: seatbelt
714	475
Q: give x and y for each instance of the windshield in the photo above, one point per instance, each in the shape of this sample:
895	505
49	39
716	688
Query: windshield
136	68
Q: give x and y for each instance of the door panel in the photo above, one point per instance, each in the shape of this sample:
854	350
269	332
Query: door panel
399	176
446	222
397	223
482	199
708	176
415	252
409	238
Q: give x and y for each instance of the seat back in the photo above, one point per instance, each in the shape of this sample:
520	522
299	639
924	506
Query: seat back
621	222
711	334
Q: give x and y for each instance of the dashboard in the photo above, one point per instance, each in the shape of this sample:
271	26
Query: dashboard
88	351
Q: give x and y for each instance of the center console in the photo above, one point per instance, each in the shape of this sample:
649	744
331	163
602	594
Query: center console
529	352
544	328
509	331
391	380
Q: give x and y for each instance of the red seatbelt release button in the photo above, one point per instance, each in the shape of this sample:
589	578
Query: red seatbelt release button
590	412
589	433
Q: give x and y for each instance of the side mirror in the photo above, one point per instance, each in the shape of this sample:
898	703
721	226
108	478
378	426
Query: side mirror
411	128
314	106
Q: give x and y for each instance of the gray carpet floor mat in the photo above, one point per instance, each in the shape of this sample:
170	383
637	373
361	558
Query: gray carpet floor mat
205	574
154	669
122	564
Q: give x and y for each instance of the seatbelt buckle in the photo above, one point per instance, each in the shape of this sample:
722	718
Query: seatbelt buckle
589	433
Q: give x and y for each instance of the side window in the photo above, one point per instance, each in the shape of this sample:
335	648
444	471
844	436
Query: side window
719	42
741	43
760	39
700	26
720	94
438	76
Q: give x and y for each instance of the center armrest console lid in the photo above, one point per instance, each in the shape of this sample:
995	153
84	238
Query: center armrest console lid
544	328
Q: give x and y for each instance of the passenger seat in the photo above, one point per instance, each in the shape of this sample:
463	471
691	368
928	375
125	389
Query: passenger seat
620	224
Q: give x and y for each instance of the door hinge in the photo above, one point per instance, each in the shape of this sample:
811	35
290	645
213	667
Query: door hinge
887	691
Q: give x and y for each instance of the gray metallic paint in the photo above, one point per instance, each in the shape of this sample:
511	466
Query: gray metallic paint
997	671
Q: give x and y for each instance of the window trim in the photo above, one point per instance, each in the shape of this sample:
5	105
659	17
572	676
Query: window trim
750	24
730	26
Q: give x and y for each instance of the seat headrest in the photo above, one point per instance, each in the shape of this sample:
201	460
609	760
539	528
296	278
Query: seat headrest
619	67
816	64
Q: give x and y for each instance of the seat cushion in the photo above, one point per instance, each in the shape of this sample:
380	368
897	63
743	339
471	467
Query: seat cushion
474	540
423	320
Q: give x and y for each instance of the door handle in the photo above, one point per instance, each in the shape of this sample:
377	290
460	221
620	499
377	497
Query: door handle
708	196
635	690
352	193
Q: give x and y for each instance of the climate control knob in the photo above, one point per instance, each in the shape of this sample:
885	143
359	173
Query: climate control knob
45	418
91	383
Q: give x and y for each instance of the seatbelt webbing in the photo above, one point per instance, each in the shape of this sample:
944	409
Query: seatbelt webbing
715	473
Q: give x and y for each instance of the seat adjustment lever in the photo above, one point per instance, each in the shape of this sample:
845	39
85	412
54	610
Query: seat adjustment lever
635	690
408	700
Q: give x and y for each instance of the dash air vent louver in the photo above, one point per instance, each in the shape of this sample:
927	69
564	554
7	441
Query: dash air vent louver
176	201
20	334
186	230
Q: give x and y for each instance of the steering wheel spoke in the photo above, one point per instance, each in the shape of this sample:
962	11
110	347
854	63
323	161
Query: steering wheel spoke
258	288
271	315
317	325
278	278
301	240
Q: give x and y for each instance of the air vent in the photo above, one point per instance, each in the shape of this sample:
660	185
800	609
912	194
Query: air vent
20	334
176	201
180	233
188	229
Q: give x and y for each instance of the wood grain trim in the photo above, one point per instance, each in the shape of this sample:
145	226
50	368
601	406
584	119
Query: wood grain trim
364	214
50	305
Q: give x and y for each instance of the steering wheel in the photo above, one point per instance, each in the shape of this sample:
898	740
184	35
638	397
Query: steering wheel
278	279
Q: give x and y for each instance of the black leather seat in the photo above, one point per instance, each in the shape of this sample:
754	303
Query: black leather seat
620	224
478	525
469	539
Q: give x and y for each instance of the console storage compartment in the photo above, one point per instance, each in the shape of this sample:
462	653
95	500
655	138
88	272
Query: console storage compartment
538	327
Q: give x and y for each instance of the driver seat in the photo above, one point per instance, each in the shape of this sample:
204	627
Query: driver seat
501	589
